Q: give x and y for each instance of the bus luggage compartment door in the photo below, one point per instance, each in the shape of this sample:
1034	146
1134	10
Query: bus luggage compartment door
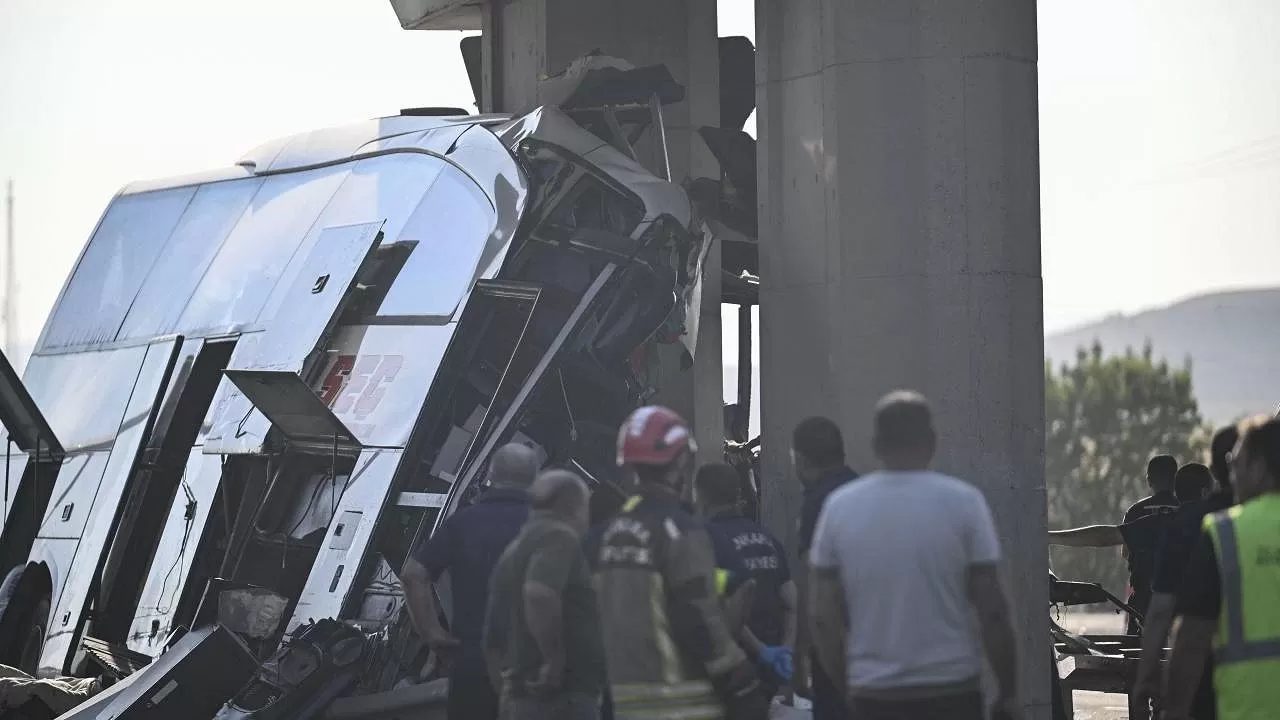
76	582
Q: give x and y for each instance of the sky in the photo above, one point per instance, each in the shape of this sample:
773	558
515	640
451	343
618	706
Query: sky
1160	124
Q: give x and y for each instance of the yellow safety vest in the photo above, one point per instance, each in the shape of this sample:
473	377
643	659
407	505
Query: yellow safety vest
1246	650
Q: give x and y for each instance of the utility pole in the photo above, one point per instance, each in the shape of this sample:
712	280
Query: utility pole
10	282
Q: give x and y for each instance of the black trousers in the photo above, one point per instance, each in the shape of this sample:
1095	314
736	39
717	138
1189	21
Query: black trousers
606	704
471	697
966	706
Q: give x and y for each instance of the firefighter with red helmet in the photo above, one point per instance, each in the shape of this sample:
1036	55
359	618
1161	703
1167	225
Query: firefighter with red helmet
668	647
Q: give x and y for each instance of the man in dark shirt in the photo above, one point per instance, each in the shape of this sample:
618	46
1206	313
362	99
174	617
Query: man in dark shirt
468	546
1160	477
542	629
817	454
1141	536
739	541
1171	561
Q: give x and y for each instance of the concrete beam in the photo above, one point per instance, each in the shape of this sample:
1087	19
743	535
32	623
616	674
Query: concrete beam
438	14
900	247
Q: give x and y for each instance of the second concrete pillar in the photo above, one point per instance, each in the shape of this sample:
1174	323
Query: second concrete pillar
900	247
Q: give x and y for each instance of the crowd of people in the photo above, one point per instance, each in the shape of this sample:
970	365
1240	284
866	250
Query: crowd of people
672	604
1204	549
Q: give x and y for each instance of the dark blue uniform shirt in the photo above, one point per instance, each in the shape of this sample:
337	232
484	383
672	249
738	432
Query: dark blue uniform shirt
1143	528
743	544
468	546
814	496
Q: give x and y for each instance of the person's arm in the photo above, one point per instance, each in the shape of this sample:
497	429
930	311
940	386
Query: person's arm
803	647
1199	601
803	676
496	631
750	642
698	621
1091	536
544	583
788	593
416	579
828	621
731	566
1129	516
988	598
986	594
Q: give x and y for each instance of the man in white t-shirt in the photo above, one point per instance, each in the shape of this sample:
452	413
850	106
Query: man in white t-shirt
900	561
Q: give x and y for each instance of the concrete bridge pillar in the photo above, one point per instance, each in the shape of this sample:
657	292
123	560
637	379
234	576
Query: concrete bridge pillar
900	247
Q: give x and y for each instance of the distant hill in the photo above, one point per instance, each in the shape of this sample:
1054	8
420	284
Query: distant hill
1232	338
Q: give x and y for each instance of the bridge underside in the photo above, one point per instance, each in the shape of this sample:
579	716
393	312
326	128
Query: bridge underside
898	221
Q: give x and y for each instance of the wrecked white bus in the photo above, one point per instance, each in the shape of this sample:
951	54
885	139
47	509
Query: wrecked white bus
262	385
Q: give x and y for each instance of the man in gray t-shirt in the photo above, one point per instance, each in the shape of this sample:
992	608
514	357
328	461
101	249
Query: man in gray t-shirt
899	560
542	627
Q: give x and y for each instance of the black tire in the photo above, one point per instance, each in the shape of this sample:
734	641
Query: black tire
33	642
24	618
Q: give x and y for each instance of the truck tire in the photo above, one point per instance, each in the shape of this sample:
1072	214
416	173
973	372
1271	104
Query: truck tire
33	645
24	618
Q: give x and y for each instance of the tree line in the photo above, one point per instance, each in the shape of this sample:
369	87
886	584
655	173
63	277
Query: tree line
1105	416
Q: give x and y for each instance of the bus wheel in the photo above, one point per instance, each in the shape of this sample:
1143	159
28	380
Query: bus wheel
25	600
33	644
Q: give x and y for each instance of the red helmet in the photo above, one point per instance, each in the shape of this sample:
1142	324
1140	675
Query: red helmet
653	435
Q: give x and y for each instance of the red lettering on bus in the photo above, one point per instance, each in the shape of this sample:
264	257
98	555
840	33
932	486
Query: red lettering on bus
355	385
336	379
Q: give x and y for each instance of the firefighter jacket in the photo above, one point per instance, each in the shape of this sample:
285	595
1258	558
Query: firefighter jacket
1246	540
665	634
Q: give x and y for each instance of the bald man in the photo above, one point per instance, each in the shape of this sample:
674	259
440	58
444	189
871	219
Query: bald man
468	546
542	628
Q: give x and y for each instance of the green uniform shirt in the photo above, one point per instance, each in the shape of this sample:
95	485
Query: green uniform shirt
548	552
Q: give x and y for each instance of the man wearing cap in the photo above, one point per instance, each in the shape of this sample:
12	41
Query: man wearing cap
668	647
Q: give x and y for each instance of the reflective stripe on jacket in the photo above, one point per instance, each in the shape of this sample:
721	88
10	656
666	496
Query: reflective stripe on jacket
1246	649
